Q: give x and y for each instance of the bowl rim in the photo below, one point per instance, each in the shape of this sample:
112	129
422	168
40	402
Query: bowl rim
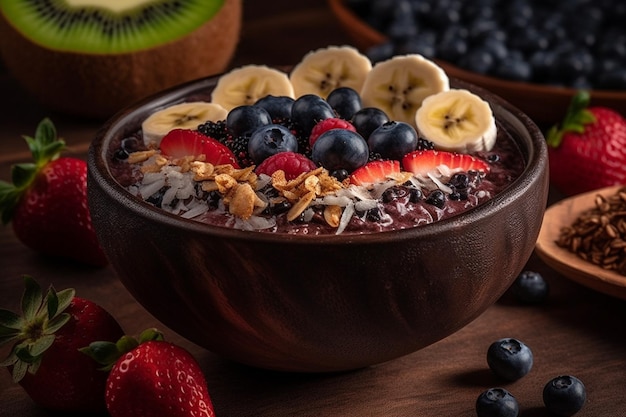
99	175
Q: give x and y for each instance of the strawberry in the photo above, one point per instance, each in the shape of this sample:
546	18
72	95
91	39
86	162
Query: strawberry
328	124
45	359
179	143
47	201
422	162
152	377
375	171
588	150
292	163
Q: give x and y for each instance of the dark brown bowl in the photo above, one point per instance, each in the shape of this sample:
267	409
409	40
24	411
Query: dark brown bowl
544	104
316	303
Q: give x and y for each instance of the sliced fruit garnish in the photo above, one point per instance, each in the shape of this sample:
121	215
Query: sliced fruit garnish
179	143
375	171
423	162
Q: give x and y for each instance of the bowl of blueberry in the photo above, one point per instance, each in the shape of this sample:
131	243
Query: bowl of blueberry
534	54
320	218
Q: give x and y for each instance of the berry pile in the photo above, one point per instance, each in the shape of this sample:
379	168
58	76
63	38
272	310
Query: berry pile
579	44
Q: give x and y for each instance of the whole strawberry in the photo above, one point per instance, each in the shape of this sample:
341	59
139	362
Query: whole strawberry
588	150
47	201
46	359
152	377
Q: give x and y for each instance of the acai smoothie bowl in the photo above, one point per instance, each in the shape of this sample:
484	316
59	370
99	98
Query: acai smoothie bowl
334	215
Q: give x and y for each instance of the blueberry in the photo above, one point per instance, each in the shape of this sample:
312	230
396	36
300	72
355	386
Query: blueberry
564	395
338	149
269	140
381	51
340	174
393	140
243	120
424	43
345	101
366	120
308	110
530	287
437	198
509	359
279	107
496	402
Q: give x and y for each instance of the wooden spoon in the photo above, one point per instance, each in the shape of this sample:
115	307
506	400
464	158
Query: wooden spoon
567	263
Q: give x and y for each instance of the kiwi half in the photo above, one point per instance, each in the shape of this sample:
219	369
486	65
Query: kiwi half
107	26
91	58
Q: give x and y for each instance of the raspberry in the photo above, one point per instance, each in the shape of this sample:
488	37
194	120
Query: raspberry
292	163
328	124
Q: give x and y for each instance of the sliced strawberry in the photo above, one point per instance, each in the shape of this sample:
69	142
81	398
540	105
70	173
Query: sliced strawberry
422	162
374	171
179	143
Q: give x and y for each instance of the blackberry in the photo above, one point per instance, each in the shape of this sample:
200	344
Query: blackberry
374	156
215	130
424	144
239	146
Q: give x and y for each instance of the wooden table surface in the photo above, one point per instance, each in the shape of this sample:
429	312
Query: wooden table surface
577	331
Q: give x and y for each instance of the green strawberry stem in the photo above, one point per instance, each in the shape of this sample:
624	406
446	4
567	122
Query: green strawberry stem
576	118
107	353
33	331
44	147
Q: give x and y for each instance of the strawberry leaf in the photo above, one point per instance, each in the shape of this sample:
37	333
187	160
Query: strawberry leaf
576	119
57	322
32	298
19	370
10	320
44	147
39	346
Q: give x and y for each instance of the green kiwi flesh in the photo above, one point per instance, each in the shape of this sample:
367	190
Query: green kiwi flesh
96	27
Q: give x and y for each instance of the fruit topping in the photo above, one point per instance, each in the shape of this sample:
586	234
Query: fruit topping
345	101
291	163
180	143
247	84
428	161
179	116
325	69
328	124
375	171
269	140
457	121
393	140
340	149
399	85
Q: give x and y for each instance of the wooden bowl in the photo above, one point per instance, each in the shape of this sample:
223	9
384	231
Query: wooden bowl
544	104
316	303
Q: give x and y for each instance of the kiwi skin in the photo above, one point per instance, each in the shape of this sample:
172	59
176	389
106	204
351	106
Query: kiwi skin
96	86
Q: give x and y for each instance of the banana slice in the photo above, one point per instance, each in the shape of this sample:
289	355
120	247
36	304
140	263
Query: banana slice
246	84
321	71
184	116
457	120
398	85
